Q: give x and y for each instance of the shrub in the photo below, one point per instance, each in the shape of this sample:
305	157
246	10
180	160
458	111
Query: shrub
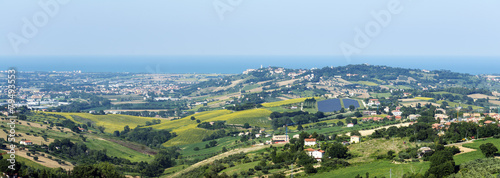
488	149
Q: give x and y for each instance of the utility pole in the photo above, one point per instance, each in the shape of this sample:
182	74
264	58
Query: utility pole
390	172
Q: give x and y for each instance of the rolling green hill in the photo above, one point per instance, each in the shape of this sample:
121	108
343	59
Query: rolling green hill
111	122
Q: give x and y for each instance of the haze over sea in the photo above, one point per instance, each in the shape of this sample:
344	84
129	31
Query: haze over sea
237	64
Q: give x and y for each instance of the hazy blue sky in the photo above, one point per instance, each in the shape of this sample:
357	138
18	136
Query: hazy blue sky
253	27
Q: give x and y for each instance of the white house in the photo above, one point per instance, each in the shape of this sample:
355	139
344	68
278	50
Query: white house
414	116
397	113
316	154
310	142
25	142
350	125
372	102
354	139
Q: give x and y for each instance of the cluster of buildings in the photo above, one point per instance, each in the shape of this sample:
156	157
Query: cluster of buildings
373	102
445	123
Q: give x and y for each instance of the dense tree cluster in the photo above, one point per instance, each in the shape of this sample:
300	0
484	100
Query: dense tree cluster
297	117
213	125
147	136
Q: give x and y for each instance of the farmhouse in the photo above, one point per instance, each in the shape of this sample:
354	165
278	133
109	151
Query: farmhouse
397	113
280	138
472	115
372	102
440	116
350	125
310	142
316	154
25	142
423	151
414	116
355	139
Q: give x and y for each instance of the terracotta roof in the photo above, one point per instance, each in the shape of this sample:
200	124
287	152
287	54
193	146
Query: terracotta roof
309	149
355	136
310	140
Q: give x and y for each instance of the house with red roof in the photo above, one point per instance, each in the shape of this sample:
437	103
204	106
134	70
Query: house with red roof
25	142
310	142
488	122
316	154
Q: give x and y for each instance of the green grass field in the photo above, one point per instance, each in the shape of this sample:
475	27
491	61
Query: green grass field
444	92
115	149
368	83
255	117
453	104
466	157
188	150
398	86
111	122
241	167
369	149
186	128
380	95
377	168
249	87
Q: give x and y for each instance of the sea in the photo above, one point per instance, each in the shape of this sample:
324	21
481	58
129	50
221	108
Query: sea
238	64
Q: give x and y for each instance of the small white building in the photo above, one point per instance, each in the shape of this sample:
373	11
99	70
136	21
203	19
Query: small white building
25	142
310	142
280	138
316	154
355	139
414	116
350	125
397	113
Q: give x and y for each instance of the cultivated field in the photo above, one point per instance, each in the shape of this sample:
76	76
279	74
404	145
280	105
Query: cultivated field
116	150
254	117
186	129
482	96
284	102
366	83
111	122
453	104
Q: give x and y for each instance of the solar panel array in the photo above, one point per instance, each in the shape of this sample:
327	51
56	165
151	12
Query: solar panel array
330	105
349	102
